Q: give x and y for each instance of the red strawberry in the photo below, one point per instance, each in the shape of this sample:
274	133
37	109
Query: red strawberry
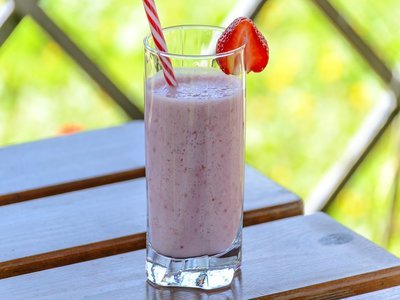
256	53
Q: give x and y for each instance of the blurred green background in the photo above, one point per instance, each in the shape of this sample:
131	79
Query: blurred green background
301	111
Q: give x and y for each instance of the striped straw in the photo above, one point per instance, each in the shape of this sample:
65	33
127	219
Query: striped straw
159	40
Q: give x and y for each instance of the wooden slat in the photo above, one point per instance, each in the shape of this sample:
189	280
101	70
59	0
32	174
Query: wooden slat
386	294
106	220
305	257
73	162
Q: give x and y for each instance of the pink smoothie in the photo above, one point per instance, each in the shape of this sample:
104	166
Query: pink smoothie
194	162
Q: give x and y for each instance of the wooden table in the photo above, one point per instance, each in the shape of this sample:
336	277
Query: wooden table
386	294
72	222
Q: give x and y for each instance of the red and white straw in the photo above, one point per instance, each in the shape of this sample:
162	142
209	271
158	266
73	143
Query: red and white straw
159	40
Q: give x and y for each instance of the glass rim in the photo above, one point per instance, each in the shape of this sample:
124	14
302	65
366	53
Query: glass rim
157	52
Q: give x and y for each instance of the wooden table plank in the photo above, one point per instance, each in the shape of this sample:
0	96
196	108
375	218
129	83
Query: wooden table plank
307	257
386	294
106	220
72	162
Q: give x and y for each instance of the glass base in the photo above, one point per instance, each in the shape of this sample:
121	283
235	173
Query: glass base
204	272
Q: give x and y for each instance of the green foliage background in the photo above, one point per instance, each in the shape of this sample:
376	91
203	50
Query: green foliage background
301	111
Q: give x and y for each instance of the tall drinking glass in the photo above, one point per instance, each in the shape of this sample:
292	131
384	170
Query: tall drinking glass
195	134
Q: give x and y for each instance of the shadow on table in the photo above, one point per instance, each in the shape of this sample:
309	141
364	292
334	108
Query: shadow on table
232	292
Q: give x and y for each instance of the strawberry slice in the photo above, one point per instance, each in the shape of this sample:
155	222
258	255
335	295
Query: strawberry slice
256	53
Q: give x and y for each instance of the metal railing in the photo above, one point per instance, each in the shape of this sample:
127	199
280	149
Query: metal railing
375	124
371	131
15	10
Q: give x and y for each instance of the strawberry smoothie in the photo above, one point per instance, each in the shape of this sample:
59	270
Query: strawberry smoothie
194	162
